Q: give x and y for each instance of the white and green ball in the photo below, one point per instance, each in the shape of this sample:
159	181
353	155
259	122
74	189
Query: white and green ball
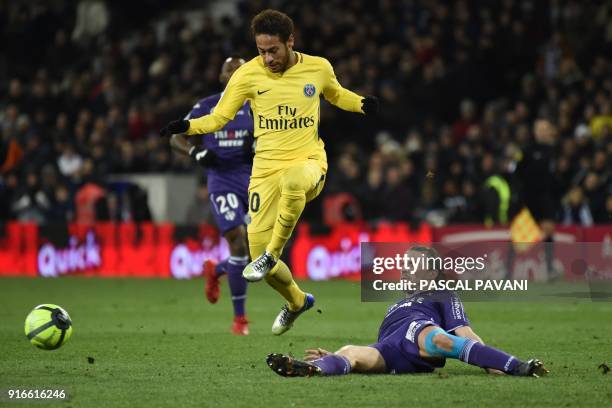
48	326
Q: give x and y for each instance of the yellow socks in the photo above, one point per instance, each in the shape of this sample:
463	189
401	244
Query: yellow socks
281	280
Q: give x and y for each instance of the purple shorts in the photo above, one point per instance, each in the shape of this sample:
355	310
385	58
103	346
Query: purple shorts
400	349
230	209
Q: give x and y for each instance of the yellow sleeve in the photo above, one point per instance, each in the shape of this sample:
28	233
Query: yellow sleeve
206	124
234	95
335	94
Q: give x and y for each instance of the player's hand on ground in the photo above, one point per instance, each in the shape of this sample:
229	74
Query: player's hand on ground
204	157
174	127
494	371
369	105
314	354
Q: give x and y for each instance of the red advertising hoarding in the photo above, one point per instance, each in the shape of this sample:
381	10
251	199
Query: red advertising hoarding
167	250
108	250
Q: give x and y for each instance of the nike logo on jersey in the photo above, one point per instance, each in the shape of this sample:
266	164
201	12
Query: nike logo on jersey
263	92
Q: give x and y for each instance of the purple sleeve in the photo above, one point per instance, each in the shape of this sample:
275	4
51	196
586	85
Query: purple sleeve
453	314
199	109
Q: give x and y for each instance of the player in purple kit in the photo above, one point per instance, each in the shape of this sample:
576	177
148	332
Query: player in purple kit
416	336
227	155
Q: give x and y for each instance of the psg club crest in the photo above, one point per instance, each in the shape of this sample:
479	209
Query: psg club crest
309	90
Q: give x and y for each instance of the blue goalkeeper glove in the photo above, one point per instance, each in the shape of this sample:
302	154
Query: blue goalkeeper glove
174	127
204	157
369	105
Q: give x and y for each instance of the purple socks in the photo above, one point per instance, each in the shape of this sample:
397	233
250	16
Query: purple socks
233	266
333	364
488	357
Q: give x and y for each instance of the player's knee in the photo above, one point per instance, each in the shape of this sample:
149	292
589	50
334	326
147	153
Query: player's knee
443	342
294	180
291	184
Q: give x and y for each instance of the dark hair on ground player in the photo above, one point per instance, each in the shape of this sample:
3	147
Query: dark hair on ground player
272	22
430	253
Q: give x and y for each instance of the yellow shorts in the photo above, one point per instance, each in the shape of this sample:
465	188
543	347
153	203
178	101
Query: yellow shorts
264	193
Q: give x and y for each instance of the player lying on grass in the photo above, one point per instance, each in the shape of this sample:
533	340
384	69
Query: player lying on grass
416	336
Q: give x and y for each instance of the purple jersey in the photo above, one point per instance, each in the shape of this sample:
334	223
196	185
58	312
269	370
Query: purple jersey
400	329
442	308
233	146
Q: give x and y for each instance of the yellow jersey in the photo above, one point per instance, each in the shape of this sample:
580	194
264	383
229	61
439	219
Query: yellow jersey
286	109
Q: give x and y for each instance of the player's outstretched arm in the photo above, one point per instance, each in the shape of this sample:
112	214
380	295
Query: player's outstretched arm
345	99
234	95
200	126
313	354
467	333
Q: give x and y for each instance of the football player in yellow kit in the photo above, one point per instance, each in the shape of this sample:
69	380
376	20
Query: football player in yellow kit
283	87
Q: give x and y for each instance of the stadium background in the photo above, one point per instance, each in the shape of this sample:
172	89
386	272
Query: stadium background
460	85
87	187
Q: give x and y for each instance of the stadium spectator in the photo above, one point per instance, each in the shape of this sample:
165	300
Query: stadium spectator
61	209
608	212
461	84
69	162
397	198
31	203
89	199
575	209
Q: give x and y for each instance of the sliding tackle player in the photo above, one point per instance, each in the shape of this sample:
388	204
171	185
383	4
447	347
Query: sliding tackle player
417	335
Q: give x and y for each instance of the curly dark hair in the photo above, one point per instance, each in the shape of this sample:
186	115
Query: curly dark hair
272	22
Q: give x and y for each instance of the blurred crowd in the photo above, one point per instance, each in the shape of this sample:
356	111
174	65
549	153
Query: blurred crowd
485	105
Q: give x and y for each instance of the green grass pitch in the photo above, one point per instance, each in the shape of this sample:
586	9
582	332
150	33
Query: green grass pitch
159	343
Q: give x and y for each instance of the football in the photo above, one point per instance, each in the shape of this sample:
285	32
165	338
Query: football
48	326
